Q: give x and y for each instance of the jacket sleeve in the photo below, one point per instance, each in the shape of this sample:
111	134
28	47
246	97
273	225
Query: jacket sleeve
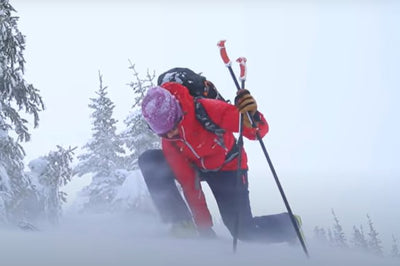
227	117
187	178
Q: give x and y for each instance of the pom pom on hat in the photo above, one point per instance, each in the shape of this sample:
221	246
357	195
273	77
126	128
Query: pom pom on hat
161	110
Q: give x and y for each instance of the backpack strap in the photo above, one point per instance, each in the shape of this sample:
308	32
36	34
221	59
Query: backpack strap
207	123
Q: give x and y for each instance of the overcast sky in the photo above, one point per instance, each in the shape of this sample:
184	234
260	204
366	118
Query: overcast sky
326	76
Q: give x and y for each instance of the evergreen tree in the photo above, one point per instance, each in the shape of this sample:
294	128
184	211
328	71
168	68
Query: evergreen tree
330	237
5	190
338	234
359	240
374	243
48	174
132	196
15	95
104	154
15	187
138	137
4	180
395	248
320	234
14	90
3	213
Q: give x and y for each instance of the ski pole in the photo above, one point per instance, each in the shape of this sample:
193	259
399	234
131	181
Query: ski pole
225	58
242	62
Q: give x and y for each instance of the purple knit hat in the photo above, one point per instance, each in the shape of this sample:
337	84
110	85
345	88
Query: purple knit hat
161	110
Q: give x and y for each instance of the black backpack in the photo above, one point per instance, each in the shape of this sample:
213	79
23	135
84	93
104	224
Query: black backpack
197	84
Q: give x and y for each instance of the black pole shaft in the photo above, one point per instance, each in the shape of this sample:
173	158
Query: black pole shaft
239	173
234	77
238	178
278	183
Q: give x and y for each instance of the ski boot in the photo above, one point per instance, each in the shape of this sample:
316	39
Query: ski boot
299	223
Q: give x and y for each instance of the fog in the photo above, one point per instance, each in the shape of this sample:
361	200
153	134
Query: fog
132	240
324	74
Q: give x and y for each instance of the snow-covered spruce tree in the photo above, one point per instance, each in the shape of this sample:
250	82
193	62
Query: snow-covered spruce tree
359	240
395	253
132	196
338	234
5	190
138	137
103	157
320	234
15	95
48	174
330	237
15	188
374	243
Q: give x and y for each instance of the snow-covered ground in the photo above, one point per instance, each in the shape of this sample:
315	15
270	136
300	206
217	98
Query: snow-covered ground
114	240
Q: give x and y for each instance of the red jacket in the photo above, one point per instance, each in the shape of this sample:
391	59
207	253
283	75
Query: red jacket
197	148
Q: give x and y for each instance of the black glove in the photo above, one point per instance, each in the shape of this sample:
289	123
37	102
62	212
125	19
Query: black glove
244	102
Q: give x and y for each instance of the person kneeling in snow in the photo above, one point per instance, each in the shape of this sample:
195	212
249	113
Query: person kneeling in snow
190	154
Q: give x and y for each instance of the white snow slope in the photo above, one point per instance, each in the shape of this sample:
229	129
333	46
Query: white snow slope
115	240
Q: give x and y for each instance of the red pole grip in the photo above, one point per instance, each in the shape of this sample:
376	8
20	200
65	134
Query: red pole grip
243	68
224	55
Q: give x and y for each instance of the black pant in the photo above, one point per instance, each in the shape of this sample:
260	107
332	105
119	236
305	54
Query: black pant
160	182
231	195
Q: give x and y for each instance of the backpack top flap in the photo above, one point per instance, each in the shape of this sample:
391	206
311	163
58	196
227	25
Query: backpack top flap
194	82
